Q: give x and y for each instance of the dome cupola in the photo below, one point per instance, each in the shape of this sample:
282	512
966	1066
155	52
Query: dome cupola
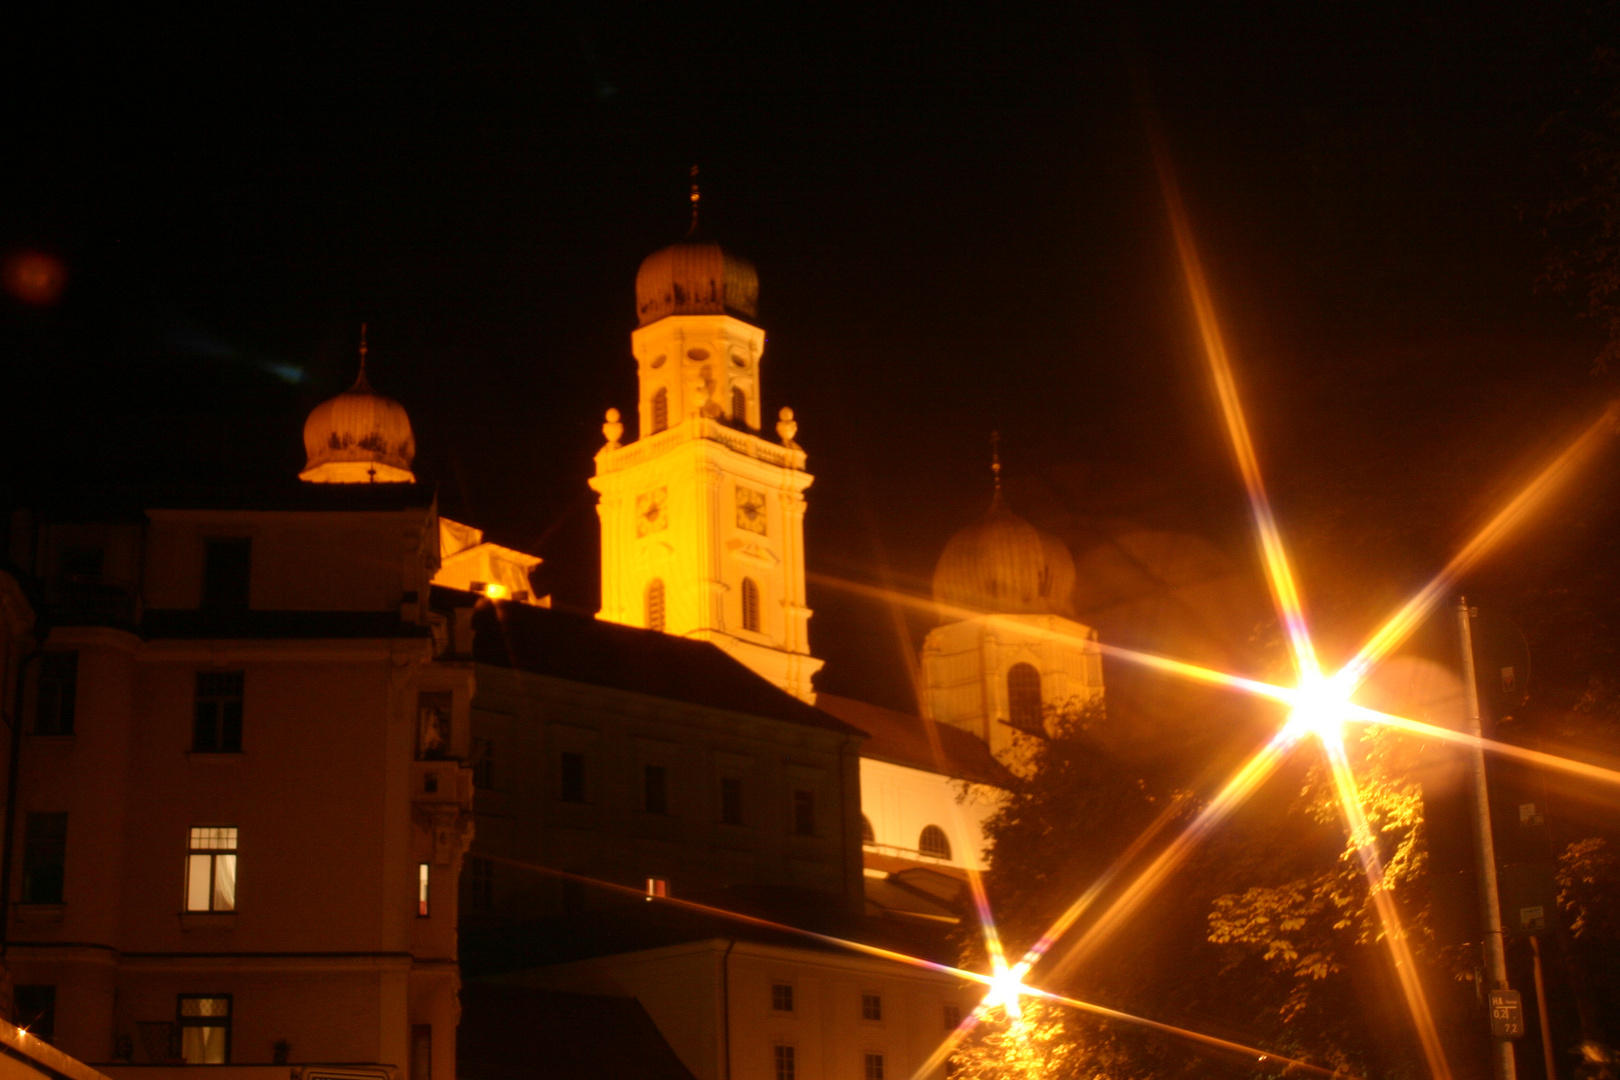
695	276
1003	565
359	437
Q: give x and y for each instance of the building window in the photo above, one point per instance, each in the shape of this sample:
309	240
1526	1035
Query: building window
433	725
421	1052
44	856
933	841
211	868
739	405
217	728
58	693
874	1067
573	778
787	1066
481	874
483	764
655	604
657	886
1024	698
868	834
782	997
804	813
731	803
660	410
226	571
34	1009
871	1006
750	605
953	1016
205	1029
424	877
655	789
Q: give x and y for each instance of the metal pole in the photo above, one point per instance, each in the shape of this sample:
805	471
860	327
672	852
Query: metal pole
1490	906
1548	1058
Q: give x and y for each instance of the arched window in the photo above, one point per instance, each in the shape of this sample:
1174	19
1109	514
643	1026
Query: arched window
750	605
868	834
739	406
655	604
1024	698
933	841
660	410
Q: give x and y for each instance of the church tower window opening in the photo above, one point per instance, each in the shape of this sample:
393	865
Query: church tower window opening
739	406
1024	698
750	605
655	604
660	410
934	842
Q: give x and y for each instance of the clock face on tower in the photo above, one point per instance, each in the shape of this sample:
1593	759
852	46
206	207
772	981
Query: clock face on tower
750	510
650	516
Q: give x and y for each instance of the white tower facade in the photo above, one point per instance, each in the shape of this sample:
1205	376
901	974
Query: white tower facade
702	518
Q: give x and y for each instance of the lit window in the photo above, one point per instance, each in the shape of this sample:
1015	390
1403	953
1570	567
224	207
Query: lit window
655	789
731	801
44	858
787	1067
874	1067
34	1010
58	693
868	834
655	604
423	877
804	813
660	410
871	1006
217	724
657	886
433	725
1024	698
782	997
205	1029
227	568
739	405
953	1015
211	869
934	842
573	778
750	605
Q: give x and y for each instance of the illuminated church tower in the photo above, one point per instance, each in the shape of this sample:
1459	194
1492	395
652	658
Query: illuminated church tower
702	517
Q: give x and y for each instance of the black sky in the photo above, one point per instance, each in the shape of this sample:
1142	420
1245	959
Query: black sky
955	222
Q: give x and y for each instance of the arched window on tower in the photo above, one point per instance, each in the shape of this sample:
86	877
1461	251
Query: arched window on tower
660	410
1024	698
868	834
750	605
739	406
655	604
934	842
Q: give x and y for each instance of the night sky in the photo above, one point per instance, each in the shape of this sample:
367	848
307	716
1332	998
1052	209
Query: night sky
957	229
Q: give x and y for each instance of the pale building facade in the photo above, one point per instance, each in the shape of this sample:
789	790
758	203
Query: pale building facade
703	518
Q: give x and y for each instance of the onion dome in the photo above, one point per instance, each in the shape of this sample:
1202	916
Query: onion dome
359	437
1003	565
695	277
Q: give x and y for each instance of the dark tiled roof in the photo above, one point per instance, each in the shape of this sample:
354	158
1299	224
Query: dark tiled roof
576	647
904	740
520	1033
251	625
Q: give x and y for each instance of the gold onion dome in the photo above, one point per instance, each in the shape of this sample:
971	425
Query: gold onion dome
359	437
695	277
1003	565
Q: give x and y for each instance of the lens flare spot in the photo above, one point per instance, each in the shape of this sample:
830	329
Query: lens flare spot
34	277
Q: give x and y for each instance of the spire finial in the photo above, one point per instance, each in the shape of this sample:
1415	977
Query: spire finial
995	459
696	197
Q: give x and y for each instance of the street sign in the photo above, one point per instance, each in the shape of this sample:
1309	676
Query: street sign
1507	1014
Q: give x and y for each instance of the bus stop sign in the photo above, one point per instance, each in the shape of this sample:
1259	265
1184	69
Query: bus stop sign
1507	1014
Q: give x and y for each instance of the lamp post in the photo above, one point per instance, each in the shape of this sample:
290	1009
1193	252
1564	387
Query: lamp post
1490	904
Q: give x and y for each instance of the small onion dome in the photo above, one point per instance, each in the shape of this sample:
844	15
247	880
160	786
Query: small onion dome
359	437
1003	565
695	277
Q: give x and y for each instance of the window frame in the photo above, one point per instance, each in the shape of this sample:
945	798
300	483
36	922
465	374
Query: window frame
1020	701
655	605
182	1021
749	596
872	1065
211	688
784	1059
939	850
198	848
871	1007
424	890
658	406
779	990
